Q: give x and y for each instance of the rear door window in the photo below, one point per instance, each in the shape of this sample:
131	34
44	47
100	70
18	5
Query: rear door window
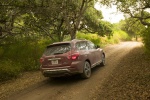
57	49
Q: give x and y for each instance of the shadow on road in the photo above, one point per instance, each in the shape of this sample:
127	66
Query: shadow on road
71	79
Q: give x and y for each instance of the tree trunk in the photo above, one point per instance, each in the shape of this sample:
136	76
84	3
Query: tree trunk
73	35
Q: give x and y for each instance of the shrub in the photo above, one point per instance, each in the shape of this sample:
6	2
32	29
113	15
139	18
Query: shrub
9	70
20	55
92	37
102	41
1	52
146	41
120	35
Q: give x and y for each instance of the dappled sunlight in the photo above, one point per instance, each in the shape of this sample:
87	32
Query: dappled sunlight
131	44
122	49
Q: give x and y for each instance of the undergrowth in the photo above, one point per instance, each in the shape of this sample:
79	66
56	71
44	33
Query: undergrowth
18	56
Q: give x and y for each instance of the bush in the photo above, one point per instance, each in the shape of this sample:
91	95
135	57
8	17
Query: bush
120	35
1	51
9	70
92	37
26	52
20	55
102	41
146	39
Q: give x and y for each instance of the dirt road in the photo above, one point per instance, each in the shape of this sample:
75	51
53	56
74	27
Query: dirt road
75	88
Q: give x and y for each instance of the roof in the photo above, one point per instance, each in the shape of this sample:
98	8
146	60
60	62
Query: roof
63	42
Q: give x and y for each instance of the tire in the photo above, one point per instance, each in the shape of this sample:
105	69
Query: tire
86	70
103	60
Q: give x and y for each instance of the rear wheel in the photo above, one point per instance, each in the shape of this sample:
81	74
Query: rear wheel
86	70
103	60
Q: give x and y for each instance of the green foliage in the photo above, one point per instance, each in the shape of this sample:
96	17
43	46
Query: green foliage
53	19
121	35
132	26
117	36
20	55
26	52
92	37
146	39
137	9
1	51
102	41
94	24
9	70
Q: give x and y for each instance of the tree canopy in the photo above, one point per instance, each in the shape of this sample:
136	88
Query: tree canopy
49	18
138	9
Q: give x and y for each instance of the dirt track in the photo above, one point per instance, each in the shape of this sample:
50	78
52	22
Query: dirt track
75	88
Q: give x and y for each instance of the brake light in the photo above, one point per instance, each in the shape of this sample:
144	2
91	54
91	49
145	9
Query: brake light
74	56
41	60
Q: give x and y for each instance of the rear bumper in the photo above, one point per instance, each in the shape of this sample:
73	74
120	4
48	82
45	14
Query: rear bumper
55	72
60	71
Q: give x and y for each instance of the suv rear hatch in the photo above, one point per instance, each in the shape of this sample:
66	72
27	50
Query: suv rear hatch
56	55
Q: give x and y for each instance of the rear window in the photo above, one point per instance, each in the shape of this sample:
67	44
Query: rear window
57	49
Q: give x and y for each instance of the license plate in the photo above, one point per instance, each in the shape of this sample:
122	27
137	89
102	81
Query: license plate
54	62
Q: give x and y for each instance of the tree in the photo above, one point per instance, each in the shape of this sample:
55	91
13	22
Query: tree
29	17
132	26
74	14
138	9
53	18
49	18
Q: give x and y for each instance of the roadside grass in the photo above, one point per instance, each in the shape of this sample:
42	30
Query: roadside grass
130	81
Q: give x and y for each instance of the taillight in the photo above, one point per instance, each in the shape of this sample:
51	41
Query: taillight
41	60
74	56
